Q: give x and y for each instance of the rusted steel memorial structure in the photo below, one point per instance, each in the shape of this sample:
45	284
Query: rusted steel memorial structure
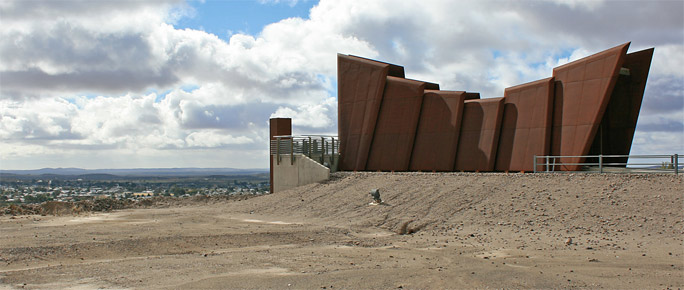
390	123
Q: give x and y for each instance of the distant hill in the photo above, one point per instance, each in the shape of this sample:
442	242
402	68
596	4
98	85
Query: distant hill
137	171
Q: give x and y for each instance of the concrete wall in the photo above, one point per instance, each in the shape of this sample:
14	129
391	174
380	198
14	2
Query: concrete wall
278	127
302	171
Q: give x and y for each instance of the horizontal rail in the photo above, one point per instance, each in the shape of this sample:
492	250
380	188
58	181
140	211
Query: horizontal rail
301	136
667	163
609	156
321	148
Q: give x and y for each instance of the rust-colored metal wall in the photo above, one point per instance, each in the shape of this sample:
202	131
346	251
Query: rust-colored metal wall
390	123
472	96
438	131
278	127
396	126
616	131
526	125
581	100
361	83
479	138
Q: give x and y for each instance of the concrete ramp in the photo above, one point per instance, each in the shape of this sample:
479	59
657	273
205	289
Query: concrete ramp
300	171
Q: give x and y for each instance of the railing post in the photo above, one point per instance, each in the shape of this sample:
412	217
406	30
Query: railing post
332	155
292	150
600	163
322	150
277	150
547	164
676	163
534	161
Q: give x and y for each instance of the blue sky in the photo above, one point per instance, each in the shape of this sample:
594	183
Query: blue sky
174	83
224	18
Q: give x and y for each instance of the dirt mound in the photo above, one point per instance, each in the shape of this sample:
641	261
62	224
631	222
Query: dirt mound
573	204
433	231
22	209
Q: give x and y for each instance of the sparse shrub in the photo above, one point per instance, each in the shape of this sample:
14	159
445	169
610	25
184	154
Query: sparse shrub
57	208
666	165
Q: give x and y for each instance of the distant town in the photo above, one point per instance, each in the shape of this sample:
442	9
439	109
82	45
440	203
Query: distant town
29	188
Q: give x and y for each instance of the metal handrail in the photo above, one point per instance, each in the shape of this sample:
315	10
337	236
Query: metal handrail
317	147
555	163
283	136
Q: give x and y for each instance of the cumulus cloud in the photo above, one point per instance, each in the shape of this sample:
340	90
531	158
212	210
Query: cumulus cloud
291	3
81	76
310	117
214	139
36	120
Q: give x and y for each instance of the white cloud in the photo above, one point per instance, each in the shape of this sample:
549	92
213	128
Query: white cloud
668	60
310	116
581	4
291	3
214	139
36	119
657	143
76	76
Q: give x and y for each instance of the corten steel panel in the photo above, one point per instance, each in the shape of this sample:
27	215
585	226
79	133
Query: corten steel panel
472	96
585	87
394	70
277	127
438	129
396	127
616	131
360	87
526	125
280	127
479	137
428	85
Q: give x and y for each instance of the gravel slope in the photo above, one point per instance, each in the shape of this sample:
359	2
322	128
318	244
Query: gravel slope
569	204
433	231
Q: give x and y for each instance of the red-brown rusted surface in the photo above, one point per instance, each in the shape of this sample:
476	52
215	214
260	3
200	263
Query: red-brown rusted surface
581	100
616	131
479	136
526	125
361	83
430	86
278	127
472	96
396	126
390	123
438	131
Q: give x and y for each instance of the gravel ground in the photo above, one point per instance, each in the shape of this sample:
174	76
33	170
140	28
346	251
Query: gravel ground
433	231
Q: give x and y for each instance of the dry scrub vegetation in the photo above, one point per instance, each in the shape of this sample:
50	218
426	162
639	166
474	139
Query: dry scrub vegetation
59	208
